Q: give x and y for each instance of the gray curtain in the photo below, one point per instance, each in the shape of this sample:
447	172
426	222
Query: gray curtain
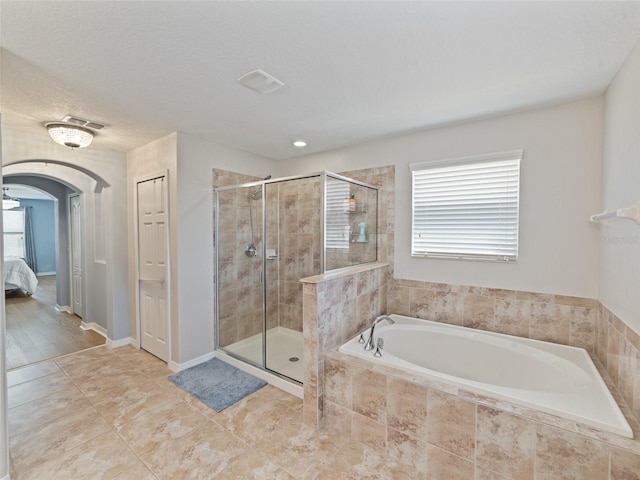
29	244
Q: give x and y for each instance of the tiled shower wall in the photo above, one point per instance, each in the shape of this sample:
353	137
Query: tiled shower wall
292	230
384	179
298	242
240	299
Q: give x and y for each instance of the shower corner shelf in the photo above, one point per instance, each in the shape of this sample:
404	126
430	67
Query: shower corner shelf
632	213
360	208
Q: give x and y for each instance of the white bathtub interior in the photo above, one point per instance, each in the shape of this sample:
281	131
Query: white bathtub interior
555	379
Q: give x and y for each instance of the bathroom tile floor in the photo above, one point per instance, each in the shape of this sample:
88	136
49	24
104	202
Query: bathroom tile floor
112	414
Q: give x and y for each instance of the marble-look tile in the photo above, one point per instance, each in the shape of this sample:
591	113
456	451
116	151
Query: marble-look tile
200	454
582	331
135	471
299	449
624	465
407	408
512	317
398	299
482	473
450	307
369	394
548	324
478	311
105	456
614	347
422	303
635	408
337	381
131	402
55	438
451	424
355	461
443	465
253	465
254	416
368	431
31	372
562	455
505	443
407	451
337	419
43	410
49	385
146	432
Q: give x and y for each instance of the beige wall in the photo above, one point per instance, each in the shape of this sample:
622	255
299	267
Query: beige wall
189	162
620	240
560	189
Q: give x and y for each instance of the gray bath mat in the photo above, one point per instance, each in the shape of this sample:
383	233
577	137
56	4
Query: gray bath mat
216	383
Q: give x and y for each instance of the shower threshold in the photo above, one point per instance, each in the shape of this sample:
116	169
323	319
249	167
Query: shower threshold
284	351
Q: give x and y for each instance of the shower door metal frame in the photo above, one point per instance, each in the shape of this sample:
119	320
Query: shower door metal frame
323	178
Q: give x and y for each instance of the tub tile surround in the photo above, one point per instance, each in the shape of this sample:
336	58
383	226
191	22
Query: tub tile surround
446	432
618	348
336	306
554	318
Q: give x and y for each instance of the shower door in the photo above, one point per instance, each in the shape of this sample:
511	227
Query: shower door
292	251
240	296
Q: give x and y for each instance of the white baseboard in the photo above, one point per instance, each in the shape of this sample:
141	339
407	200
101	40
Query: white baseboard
63	308
44	274
122	342
177	367
95	327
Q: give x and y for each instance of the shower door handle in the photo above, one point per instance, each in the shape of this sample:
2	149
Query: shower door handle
260	277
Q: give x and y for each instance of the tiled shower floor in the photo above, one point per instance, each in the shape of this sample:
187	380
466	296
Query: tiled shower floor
283	347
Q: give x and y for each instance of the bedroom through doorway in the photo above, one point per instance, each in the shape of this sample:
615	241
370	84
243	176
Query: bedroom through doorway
40	324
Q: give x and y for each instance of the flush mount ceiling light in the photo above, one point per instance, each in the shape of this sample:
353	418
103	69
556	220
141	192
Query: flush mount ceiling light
299	143
8	202
71	136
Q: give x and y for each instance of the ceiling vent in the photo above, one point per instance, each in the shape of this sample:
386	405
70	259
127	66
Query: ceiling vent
260	82
83	123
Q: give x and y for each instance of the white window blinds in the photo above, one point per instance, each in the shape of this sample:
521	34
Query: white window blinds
337	218
467	208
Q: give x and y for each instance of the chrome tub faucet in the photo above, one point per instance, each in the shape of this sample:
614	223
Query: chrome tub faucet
371	342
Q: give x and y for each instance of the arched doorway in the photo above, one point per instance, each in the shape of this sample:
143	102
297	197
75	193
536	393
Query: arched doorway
48	324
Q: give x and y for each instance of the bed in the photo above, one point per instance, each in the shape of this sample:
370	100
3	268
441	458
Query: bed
18	275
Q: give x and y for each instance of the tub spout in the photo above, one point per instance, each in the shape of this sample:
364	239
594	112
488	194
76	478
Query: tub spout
371	342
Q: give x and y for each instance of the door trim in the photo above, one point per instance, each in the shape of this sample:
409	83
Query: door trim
72	289
136	256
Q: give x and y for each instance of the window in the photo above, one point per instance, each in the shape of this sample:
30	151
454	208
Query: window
13	223
337	218
467	208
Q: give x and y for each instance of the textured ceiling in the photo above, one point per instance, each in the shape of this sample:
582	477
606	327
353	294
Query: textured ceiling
353	71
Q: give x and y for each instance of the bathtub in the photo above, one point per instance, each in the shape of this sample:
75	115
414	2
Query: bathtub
552	378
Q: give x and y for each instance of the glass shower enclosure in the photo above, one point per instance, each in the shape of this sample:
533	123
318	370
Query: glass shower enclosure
270	234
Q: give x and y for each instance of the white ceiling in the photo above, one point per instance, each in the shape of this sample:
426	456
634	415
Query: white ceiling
353	71
24	191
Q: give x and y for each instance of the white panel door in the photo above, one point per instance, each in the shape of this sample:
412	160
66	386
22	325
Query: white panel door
152	266
75	211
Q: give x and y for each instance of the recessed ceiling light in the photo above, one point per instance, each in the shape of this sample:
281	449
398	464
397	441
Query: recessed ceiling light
299	143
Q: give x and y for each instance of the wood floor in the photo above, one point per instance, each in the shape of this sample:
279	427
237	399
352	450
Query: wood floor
36	331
